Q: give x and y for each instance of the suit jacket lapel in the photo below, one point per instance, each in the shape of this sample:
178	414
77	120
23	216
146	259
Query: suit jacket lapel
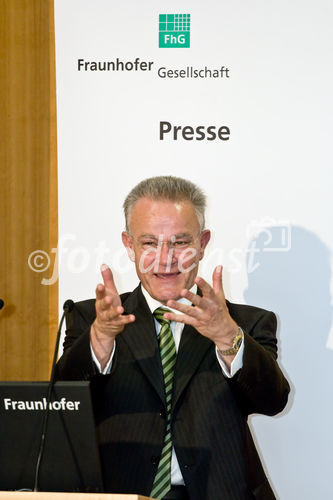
193	347
141	338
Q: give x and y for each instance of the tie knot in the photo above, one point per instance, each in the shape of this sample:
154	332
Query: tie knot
159	312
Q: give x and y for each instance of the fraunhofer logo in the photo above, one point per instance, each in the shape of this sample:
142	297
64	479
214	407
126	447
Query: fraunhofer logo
174	30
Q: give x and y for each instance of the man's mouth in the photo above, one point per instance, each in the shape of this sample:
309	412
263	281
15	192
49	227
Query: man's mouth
167	276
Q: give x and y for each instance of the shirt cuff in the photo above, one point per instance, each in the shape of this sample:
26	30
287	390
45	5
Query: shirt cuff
236	363
108	367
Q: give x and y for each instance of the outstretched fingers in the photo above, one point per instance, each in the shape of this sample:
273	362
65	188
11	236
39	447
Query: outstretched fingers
108	278
183	308
123	319
207	290
217	281
192	297
100	291
181	318
108	313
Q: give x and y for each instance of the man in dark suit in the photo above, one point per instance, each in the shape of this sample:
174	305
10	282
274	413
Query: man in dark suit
173	387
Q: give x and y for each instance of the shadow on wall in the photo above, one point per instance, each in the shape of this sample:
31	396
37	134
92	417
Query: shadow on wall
290	274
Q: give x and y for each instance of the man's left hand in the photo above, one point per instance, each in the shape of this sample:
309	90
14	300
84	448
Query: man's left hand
209	314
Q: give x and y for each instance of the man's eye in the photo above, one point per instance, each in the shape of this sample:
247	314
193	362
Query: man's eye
180	243
149	244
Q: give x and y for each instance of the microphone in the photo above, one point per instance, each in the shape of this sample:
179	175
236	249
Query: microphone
1	303
67	307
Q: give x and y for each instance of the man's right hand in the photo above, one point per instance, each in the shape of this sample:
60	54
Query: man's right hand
110	320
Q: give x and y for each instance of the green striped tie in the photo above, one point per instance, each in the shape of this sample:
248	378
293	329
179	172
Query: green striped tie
162	481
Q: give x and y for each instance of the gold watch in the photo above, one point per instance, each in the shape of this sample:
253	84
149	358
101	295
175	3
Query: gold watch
237	342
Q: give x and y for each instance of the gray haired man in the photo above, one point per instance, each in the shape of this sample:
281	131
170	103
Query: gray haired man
177	368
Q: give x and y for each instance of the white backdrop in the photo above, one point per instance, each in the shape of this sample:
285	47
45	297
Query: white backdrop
268	186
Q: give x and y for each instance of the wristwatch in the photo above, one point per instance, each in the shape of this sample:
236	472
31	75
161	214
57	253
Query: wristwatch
237	342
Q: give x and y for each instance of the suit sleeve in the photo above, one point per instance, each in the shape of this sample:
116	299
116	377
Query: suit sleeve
260	385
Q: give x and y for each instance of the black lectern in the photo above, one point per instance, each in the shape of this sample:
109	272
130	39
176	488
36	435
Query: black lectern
71	459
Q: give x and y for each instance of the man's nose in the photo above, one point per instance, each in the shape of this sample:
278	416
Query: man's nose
166	256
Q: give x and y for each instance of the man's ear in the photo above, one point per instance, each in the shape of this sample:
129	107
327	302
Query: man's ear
127	241
204	239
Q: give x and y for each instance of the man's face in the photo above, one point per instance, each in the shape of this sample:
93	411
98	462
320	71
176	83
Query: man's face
166	244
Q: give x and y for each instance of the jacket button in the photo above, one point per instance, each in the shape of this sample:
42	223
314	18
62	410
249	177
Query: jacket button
162	414
154	460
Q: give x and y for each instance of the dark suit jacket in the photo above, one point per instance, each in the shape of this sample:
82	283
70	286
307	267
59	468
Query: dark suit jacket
214	447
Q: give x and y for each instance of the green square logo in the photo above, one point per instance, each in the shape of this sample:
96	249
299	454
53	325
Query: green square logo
174	31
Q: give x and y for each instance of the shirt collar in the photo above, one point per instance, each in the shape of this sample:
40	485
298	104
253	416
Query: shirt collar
154	304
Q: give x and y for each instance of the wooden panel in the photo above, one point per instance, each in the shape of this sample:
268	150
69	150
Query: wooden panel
53	184
28	186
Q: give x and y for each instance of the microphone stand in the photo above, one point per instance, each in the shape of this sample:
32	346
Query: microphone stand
68	306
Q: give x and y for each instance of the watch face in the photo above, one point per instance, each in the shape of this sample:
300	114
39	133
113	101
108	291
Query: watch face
238	342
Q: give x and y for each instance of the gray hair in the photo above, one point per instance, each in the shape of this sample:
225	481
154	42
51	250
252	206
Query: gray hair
167	188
